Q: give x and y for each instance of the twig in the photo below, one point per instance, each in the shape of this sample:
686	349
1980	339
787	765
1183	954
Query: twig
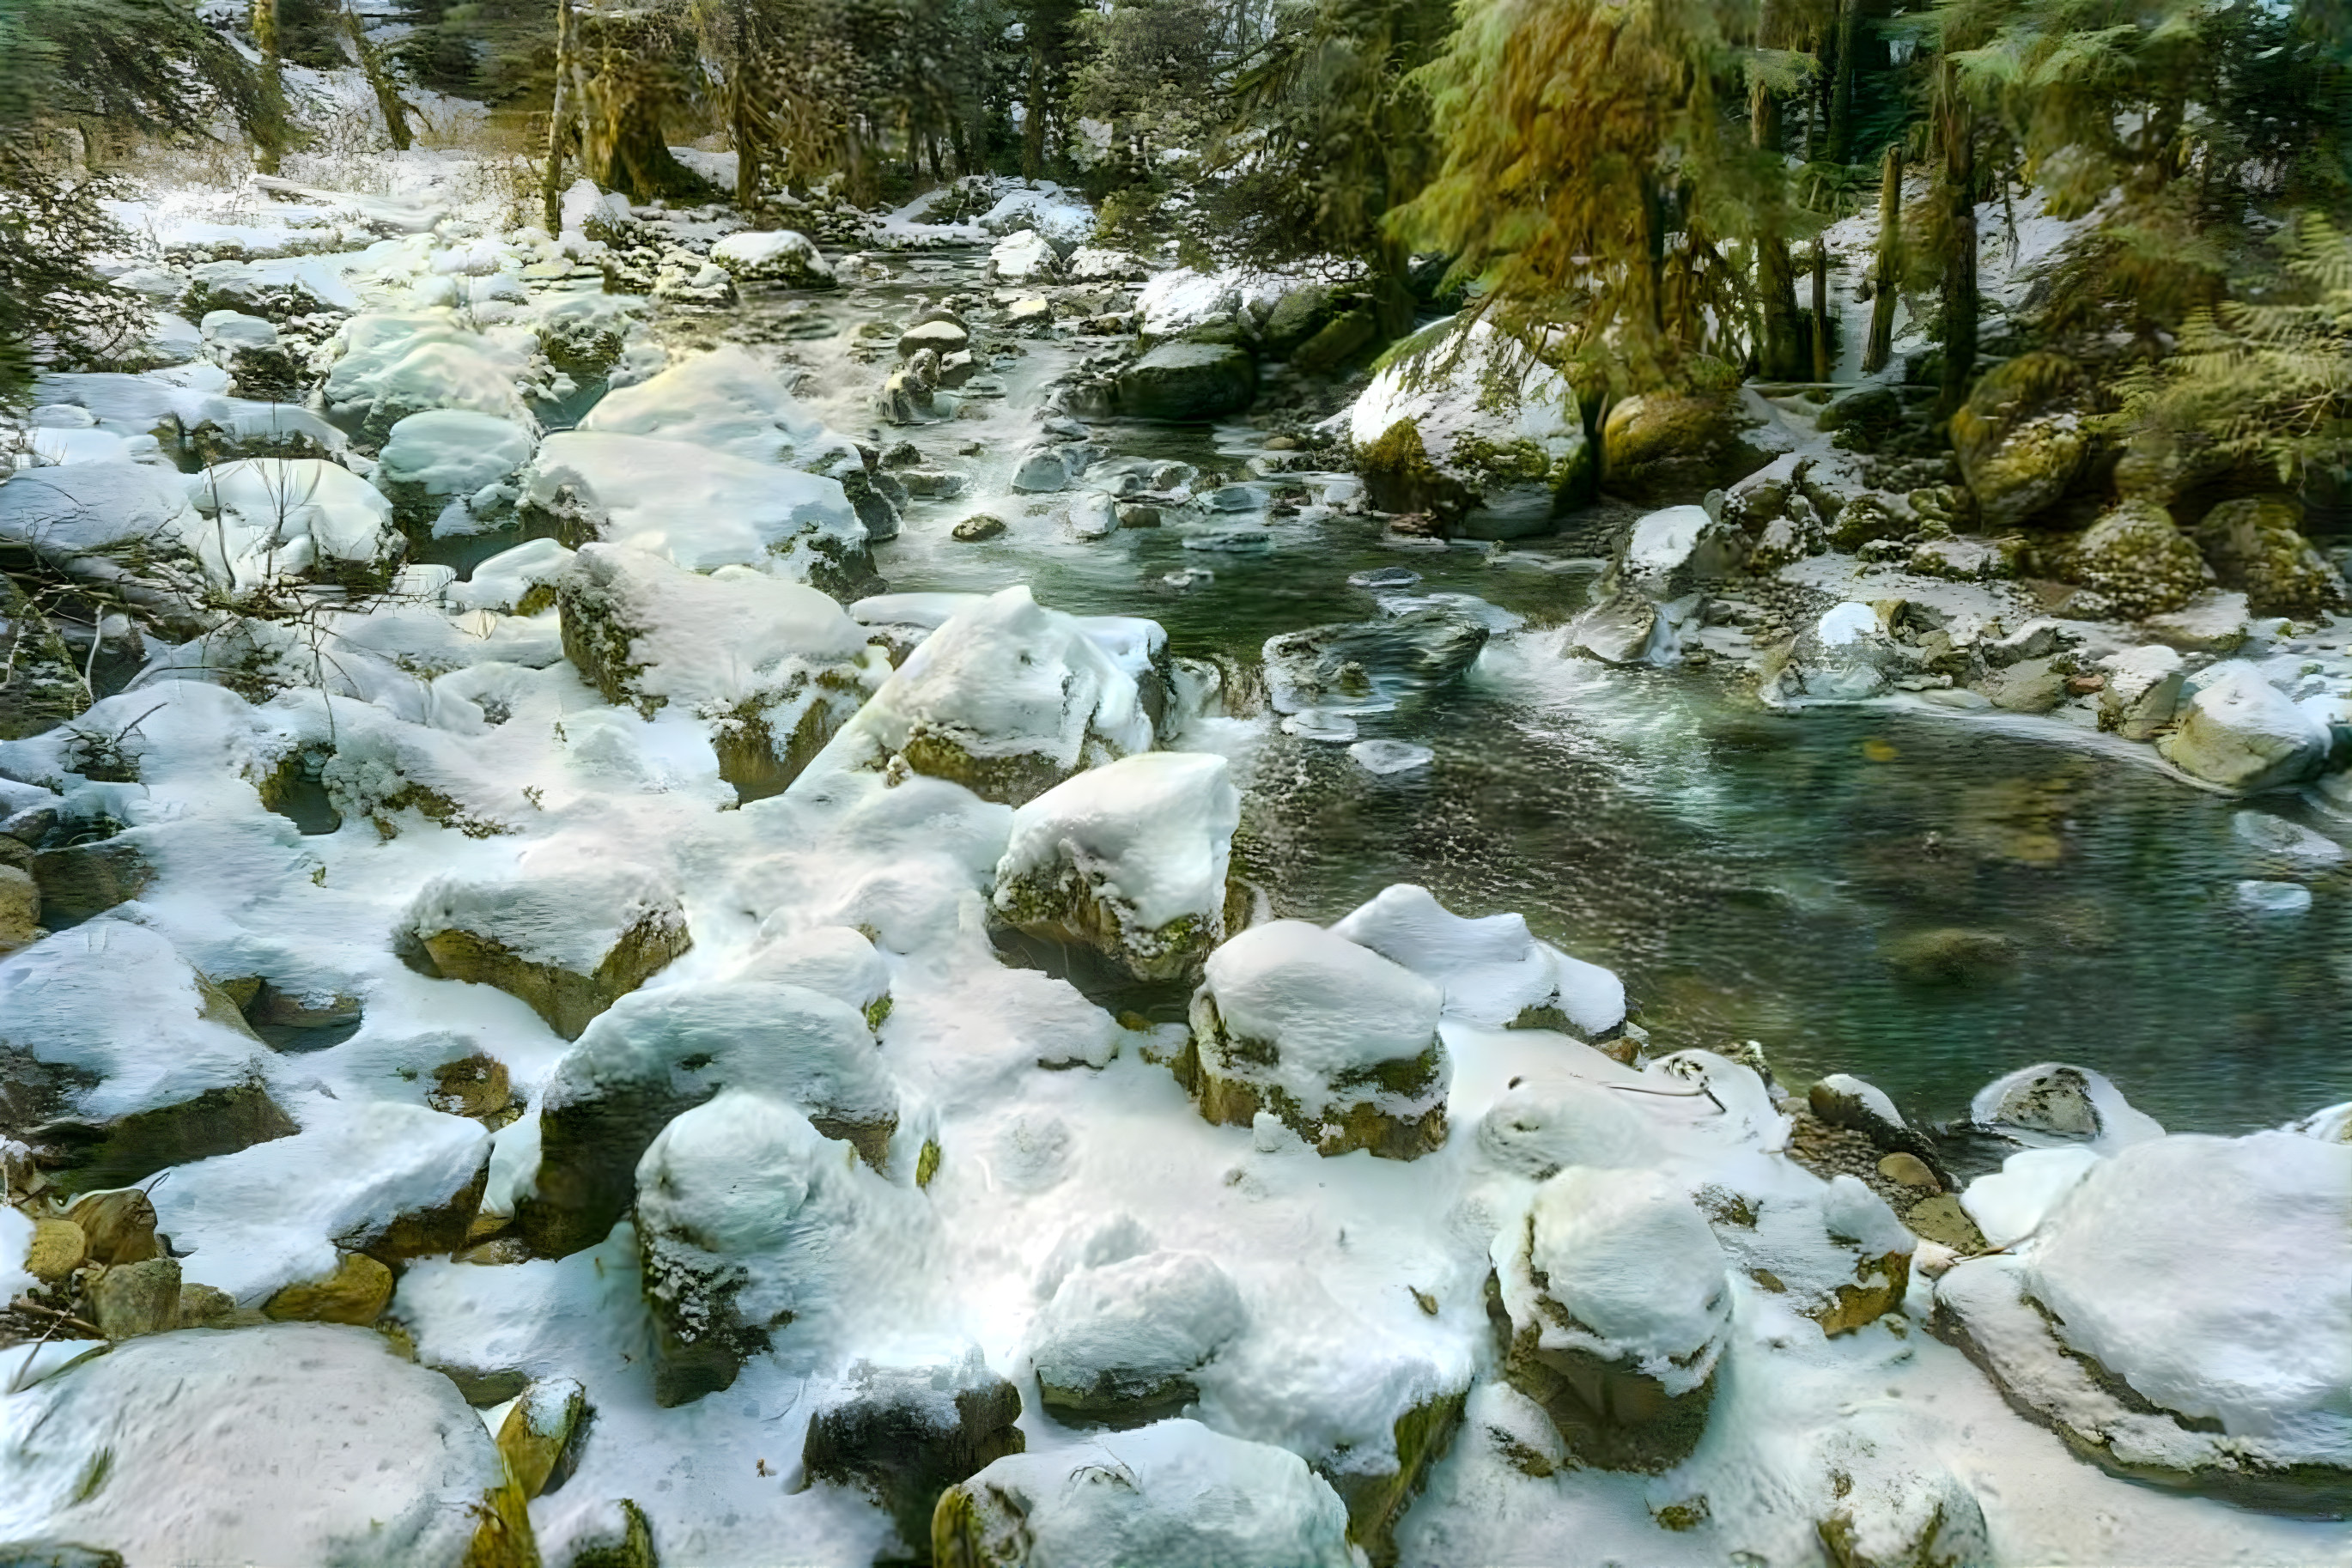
25	1304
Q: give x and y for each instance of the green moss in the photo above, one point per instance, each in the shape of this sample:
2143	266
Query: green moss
927	1163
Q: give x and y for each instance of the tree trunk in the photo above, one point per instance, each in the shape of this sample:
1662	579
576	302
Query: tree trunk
1881	347
742	129
269	146
558	120
1783	351
1033	117
387	91
1842	71
1823	339
1393	300
1956	187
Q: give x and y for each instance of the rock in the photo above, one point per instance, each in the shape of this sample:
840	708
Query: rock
570	943
1846	655
79	880
281	1444
1673	552
1611	1301
743	1207
1118	1344
444	456
1951	955
1909	1171
1137	516
2216	622
2273	900
1493	972
1898	1505
776	256
1843	1100
2020	438
57	1249
1022	255
129	1299
1181	1494
1043	471
1337	1042
2142	691
1354	662
621	1539
2137	562
533	1436
1623	628
204	1306
978	526
2029	686
1188	381
934	484
1128	859
1835	1252
2255	543
1941	1219
357	1293
2241	732
475	1086
1471	428
1967	560
1093	515
657	1055
56	1555
117	1226
1029	315
1661	447
941	336
2053	1100
906	1435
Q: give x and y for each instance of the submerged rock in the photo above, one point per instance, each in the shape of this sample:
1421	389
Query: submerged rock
1623	628
1335	1041
1357	662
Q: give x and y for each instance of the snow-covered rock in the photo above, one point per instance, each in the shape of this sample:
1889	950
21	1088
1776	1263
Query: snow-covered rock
2240	731
1491	970
906	1434
1845	656
1119	1343
268	518
1171	1492
654	1055
1471	425
1022	257
2055	1102
1128	859
451	455
1833	1251
1335	1041
1673	551
773	256
1614	1305
393	365
726	400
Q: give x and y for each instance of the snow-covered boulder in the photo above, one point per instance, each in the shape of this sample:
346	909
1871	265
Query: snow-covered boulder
231	427
2241	732
1892	1501
1355	664
654	1055
1491	970
905	1434
1332	1039
1006	697
700	507
1128	859
276	289
291	1443
269	518
1043	207
584	335
773	666
1676	550
727	400
1119	1343
568	939
1833	1251
2142	691
447	457
1845	656
129	514
740	1207
774	256
1471	426
248	348
1188	381
1173	1492
1022	257
2055	1102
393	365
2182	1312
1539	1127
1613	1305
830	960
124	1058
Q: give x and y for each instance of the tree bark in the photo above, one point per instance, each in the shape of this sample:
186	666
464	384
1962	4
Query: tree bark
269	147
1843	70
387	91
742	128
1881	346
1957	188
1824	341
1033	117
559	120
1782	352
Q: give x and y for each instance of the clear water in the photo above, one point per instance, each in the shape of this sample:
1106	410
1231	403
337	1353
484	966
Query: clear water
1744	872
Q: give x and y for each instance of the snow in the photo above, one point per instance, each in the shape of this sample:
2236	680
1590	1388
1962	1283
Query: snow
2119	1123
1470	390
1327	1006
116	1000
275	517
453	451
1151	832
724	400
2011	1204
1869	1094
1158	1315
96	507
754	251
499	583
393	365
1021	257
833	961
2214	1275
700	508
565	910
1843	625
15	1242
1052	210
1490	969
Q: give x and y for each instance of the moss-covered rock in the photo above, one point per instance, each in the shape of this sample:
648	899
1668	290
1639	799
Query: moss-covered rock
2256	543
2137	562
2020	439
1188	381
1376	1499
904	1435
1673	446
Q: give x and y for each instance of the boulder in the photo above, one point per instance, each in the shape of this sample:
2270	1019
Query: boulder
1357	662
1128	859
538	1429
773	256
1611	1302
446	455
2020	439
942	335
743	1207
1470	427
1093	515
1492	971
357	1293
1623	629
2136	563
1188	381
1042	470
1335	1041
655	1055
271	518
2256	544
569	941
1661	447
1173	1492
393	365
1949	955
2142	692
904	1435
1846	655
1021	257
2056	1103
1897	1505
1118	1345
129	1299
1671	552
2241	732
1833	1251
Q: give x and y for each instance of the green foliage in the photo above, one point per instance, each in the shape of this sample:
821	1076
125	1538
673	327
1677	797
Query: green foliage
1147	66
53	306
148	65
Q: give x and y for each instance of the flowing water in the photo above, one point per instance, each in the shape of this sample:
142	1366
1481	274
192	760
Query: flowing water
1748	874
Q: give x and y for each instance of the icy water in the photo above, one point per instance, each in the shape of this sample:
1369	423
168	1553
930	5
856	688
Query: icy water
1747	873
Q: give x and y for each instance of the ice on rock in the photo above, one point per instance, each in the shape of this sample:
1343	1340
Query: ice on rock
2184	1314
1173	1492
1337	1041
131	1058
1119	1343
772	667
1006	697
290	1443
740	1207
443	455
655	1054
1492	971
1613	1304
569	933
697	506
274	517
1128	859
393	365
